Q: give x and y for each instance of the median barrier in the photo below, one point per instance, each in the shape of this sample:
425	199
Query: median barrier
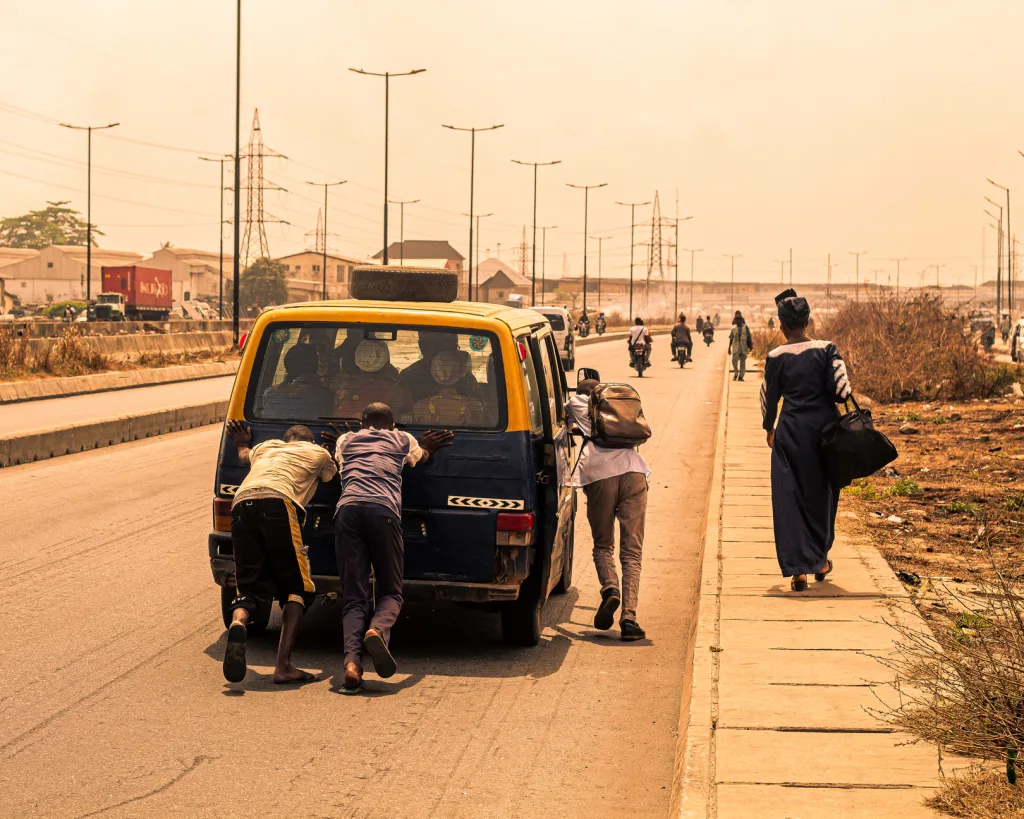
52	443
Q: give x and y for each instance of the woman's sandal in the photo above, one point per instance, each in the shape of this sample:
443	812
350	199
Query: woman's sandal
798	585
820	576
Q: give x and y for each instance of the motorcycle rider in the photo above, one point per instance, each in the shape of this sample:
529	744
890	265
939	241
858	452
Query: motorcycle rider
717	320
700	323
681	340
584	324
600	323
639	334
1004	326
709	331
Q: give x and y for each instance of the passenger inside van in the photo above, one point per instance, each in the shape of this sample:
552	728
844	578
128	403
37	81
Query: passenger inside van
447	406
418	377
373	379
301	395
345	354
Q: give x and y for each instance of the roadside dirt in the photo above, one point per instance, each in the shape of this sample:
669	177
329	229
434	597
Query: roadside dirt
959	478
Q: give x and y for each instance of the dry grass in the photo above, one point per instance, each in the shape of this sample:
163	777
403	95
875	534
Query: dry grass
765	341
979	794
899	349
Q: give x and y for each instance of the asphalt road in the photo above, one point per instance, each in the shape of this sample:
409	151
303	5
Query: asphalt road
112	701
29	416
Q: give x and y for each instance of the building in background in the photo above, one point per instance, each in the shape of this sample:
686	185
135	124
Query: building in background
305	279
428	253
10	255
194	273
57	272
498	281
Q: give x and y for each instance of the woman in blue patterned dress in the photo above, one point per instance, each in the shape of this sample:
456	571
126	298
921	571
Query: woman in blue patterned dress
809	377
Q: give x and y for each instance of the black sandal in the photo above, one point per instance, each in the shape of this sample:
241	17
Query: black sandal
820	576
798	585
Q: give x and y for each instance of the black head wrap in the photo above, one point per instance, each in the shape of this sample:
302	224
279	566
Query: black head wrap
793	309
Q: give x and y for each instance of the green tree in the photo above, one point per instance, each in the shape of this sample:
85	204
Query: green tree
263	284
54	225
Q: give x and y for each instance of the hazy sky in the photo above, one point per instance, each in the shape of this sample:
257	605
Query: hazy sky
822	126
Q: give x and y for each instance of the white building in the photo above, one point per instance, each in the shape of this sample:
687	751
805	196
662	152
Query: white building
194	273
57	272
305	274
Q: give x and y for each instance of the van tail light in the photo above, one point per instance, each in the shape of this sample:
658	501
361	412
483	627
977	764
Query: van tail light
515	528
522	350
222	514
241	341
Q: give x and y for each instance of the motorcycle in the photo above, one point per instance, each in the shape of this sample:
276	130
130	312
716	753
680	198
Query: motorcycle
640	362
600	326
681	355
583	329
709	335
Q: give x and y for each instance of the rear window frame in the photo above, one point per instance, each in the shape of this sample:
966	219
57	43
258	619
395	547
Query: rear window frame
256	371
560	317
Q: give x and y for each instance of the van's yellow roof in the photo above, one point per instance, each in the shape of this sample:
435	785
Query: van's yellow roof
344	309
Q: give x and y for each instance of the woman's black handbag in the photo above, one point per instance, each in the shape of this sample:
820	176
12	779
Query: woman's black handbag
852	448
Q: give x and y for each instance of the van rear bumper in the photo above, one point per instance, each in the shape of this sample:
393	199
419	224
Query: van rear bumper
222	564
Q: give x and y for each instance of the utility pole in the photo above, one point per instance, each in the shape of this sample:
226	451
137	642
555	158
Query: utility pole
480	216
632	244
220	274
856	275
236	261
544	257
999	256
472	180
586	213
326	185
600	240
1009	250
401	221
533	278
782	271
692	252
938	285
387	75
901	259
678	220
732	257
791	267
88	199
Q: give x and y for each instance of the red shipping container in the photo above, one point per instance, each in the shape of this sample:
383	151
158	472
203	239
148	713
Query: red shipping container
143	288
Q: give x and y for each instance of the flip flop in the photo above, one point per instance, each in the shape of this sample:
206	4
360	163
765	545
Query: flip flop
820	576
383	663
234	653
350	691
798	585
304	677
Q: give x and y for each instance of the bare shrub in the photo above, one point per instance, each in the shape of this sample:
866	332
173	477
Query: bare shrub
14	352
979	794
766	340
961	682
70	355
899	349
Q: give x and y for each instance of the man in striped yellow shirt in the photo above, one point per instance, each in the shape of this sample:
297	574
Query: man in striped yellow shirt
266	538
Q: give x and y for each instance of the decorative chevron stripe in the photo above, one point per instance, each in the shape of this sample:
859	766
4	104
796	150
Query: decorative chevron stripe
228	489
484	503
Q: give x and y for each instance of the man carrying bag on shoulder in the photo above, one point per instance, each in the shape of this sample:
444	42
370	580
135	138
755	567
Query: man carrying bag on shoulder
614	477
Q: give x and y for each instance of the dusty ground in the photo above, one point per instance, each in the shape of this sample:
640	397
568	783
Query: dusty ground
962	470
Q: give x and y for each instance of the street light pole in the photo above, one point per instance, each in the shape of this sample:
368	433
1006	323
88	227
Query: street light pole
693	251
632	244
533	285
401	222
902	259
387	75
676	298
88	199
999	256
586	213
326	185
480	216
732	257
472	178
1009	248
856	276
600	240
544	258
220	274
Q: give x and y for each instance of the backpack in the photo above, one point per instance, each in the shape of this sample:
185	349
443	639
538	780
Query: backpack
617	417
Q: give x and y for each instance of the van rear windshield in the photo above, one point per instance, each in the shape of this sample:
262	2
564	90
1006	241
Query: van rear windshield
557	323
430	377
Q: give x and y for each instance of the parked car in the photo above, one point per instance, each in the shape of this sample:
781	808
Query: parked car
561	323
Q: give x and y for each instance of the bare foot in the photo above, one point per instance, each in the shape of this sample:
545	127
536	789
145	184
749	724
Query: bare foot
291	674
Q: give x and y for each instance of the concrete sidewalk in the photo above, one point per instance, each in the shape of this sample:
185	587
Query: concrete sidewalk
778	725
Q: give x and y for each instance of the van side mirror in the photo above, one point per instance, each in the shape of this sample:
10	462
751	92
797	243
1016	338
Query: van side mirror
584	373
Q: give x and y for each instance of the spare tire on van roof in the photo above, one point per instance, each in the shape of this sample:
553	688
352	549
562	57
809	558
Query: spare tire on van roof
376	282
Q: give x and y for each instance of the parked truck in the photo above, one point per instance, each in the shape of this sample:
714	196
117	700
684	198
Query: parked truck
133	293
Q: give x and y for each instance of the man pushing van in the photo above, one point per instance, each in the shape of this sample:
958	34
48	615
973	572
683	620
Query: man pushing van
266	539
614	477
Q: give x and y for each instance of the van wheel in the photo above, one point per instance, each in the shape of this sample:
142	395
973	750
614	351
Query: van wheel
565	581
520	621
255	627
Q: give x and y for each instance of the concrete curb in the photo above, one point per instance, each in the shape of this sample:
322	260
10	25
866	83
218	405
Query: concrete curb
52	443
17	391
694	764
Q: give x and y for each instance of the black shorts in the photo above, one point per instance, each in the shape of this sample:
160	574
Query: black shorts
270	558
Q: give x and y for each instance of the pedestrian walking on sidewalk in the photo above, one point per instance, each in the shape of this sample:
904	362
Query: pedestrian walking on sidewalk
266	539
809	377
615	482
368	532
740	343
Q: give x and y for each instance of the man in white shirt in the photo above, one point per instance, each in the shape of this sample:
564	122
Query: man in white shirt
615	482
639	333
